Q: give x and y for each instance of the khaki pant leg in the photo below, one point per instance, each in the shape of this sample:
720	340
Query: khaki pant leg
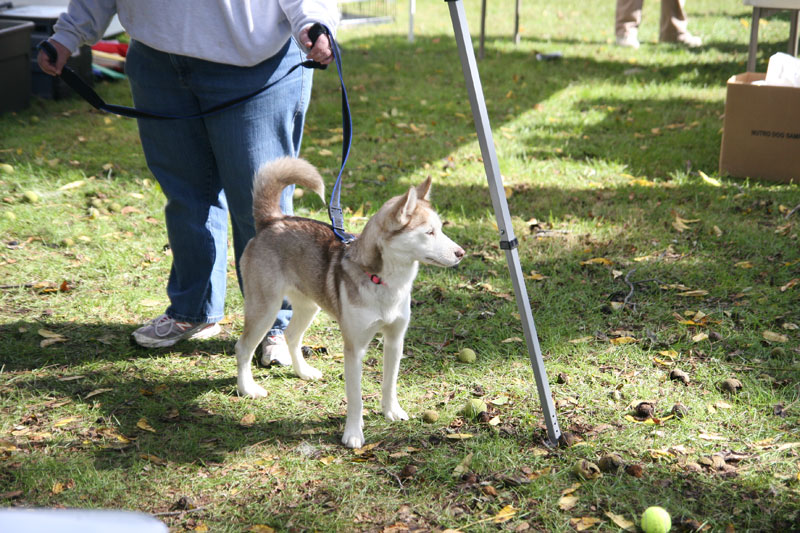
628	17
674	21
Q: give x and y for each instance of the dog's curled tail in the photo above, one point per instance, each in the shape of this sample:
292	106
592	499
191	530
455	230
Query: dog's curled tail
275	176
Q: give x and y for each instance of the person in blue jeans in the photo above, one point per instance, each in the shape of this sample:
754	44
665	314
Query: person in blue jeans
184	58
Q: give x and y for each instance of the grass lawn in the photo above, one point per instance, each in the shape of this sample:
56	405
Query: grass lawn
648	283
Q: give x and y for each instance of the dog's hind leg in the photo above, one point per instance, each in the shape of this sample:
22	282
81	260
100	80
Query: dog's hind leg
303	312
392	353
259	315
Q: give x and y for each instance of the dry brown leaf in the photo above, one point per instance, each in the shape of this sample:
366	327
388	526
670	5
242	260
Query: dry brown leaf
771	336
248	420
597	261
260	528
585	522
622	340
697	292
368	448
459	436
565	503
790	284
505	514
620	521
65	421
153	459
144	425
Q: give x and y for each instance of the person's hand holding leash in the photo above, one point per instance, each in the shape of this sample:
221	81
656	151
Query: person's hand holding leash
320	50
53	68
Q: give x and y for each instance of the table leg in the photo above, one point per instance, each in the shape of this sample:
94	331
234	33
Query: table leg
795	14
751	55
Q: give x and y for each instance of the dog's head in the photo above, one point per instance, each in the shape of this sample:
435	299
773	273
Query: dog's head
414	229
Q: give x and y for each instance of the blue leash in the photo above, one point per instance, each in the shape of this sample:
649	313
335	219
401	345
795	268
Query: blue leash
334	209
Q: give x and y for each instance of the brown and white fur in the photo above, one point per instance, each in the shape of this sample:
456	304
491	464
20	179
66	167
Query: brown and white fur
365	286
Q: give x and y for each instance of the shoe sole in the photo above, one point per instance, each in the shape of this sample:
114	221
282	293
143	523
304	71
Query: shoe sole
148	342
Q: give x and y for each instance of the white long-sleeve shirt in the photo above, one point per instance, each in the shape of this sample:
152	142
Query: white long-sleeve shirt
235	32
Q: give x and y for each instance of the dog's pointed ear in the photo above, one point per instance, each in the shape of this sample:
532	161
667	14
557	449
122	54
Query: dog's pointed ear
424	190
408	203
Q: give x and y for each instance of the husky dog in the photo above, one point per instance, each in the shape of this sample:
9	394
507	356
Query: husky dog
365	285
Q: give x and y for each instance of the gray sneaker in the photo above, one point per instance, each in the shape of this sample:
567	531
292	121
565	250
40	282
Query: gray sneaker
274	351
164	331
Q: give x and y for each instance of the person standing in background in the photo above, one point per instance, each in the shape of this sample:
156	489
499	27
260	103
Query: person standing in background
673	27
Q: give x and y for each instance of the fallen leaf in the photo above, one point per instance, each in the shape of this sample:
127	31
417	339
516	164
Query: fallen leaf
156	460
71	185
789	285
459	436
505	514
620	521
565	503
711	181
463	467
368	448
7	446
64	421
260	528
697	292
700	337
744	264
581	340
622	340
597	261
585	522
248	420
512	339
144	425
771	336
96	392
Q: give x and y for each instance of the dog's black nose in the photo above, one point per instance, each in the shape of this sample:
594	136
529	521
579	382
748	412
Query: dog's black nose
459	253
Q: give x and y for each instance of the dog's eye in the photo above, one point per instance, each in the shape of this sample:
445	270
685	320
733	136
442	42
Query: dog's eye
431	232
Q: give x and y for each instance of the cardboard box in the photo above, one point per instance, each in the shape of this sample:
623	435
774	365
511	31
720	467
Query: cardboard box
761	132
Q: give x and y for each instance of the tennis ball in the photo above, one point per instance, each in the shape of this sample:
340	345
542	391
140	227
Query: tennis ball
5	168
430	416
467	355
474	407
656	520
30	197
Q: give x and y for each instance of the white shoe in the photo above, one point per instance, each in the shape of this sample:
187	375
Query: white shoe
164	331
628	41
689	40
274	351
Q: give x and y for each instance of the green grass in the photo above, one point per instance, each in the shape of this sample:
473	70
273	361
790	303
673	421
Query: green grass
602	148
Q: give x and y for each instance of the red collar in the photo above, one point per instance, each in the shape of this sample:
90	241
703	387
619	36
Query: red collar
374	278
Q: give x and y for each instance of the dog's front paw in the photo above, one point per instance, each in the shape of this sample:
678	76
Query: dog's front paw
307	372
252	390
395	412
353	439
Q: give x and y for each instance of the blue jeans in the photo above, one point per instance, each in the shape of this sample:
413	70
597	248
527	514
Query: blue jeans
206	166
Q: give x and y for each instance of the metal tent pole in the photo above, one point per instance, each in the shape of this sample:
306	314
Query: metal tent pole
507	240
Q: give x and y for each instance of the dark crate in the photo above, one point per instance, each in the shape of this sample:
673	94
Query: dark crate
15	72
43	18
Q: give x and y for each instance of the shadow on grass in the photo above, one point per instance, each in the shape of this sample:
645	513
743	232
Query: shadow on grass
514	83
